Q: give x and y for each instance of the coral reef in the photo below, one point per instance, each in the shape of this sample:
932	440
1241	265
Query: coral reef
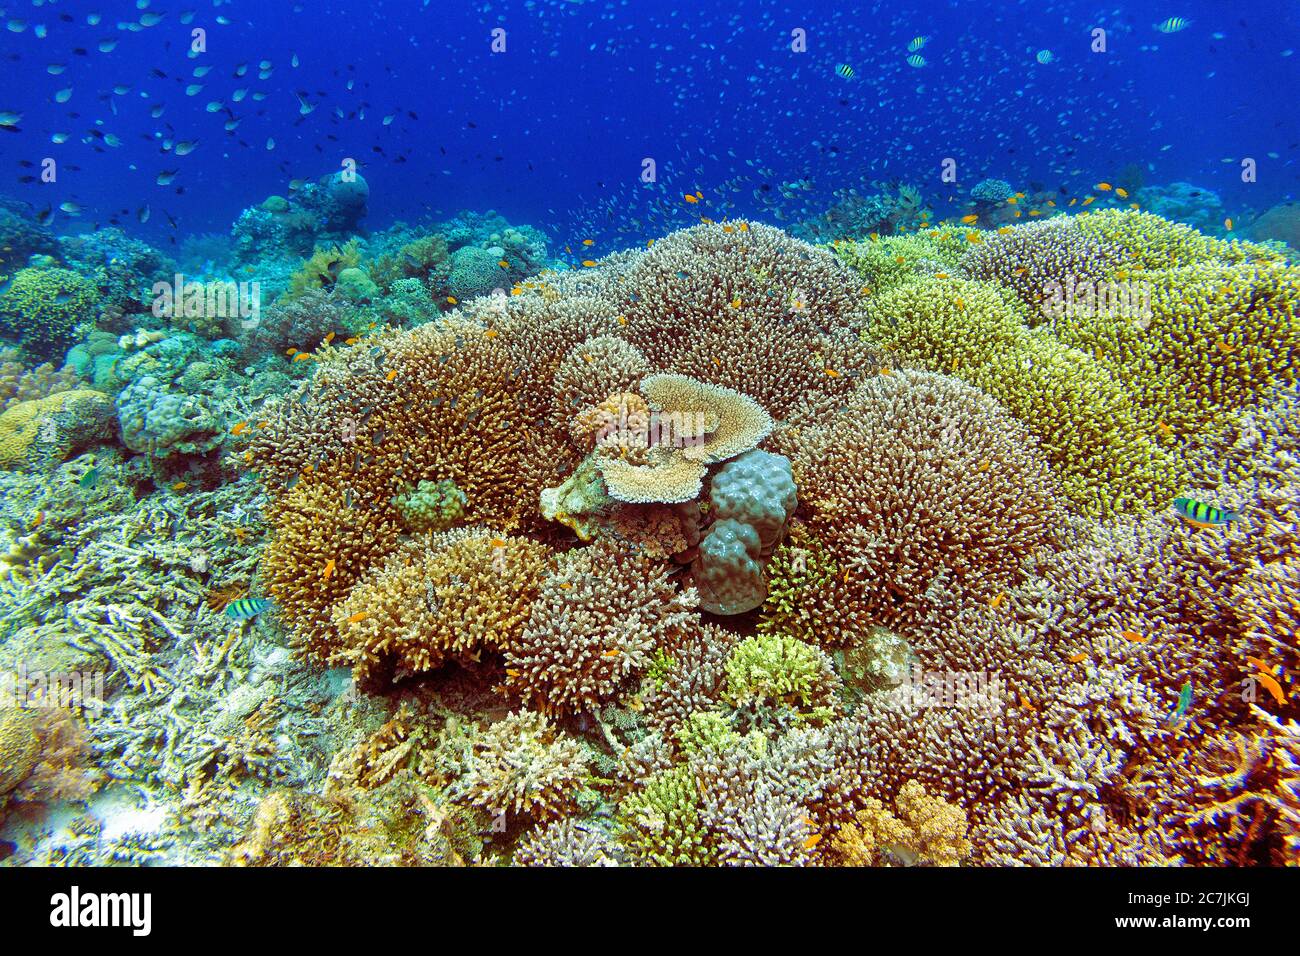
44	307
729	550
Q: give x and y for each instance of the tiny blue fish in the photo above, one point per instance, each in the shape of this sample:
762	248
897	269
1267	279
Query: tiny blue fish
245	609
1184	701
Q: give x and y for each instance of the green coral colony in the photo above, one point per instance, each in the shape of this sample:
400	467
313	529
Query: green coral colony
745	547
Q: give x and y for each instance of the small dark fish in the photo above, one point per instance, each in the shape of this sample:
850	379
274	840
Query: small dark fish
90	479
245	609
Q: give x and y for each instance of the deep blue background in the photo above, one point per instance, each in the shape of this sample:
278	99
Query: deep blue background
553	131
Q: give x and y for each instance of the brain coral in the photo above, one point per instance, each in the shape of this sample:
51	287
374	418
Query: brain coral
43	432
44	307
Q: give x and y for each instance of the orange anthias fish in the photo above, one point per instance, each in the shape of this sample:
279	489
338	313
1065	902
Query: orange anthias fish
239	428
329	569
1273	686
996	601
1104	187
1133	636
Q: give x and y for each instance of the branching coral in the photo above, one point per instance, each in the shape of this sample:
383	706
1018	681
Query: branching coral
1107	457
523	765
920	473
566	843
660	823
452	595
597	624
782	671
323	269
313	530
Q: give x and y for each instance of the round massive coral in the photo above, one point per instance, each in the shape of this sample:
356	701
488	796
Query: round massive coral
44	307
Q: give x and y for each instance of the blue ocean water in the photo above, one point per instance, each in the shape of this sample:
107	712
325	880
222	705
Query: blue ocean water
553	128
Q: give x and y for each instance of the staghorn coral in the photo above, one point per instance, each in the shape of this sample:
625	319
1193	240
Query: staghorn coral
884	263
688	679
799	574
448	596
566	843
522	765
596	625
591	374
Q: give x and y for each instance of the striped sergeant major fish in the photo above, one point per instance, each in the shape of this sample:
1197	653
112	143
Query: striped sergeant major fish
1200	515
